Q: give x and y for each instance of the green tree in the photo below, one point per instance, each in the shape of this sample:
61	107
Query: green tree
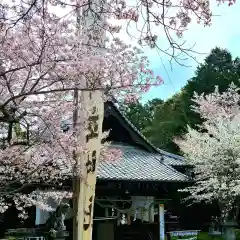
141	115
167	122
219	68
162	121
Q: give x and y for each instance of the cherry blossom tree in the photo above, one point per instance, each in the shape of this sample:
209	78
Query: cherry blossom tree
43	61
214	151
45	57
148	22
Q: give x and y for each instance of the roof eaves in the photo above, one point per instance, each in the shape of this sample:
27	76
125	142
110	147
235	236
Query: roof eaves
145	180
132	156
174	170
171	155
162	152
180	160
133	127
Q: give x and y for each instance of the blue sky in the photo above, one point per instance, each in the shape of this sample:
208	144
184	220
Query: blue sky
224	32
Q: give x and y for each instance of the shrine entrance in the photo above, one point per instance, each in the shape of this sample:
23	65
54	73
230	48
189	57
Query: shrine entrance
136	218
138	231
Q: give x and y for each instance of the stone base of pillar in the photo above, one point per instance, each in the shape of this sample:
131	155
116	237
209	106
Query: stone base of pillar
229	230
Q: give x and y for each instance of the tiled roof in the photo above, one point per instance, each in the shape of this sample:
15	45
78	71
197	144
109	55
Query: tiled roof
169	158
172	159
137	164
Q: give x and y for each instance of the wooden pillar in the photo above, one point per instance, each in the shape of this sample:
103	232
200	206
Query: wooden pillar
93	146
161	222
84	184
89	112
151	212
129	222
106	212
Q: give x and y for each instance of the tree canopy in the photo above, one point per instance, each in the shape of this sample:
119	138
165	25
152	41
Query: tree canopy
55	56
141	115
214	150
49	73
171	117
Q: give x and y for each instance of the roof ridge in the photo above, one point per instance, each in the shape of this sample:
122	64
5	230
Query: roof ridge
158	150
115	104
173	169
173	155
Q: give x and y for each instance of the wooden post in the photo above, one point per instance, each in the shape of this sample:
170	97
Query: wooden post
129	222
84	184
93	145
91	108
78	178
161	222
79	116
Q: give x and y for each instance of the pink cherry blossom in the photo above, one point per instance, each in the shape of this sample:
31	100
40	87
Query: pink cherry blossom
214	150
47	52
